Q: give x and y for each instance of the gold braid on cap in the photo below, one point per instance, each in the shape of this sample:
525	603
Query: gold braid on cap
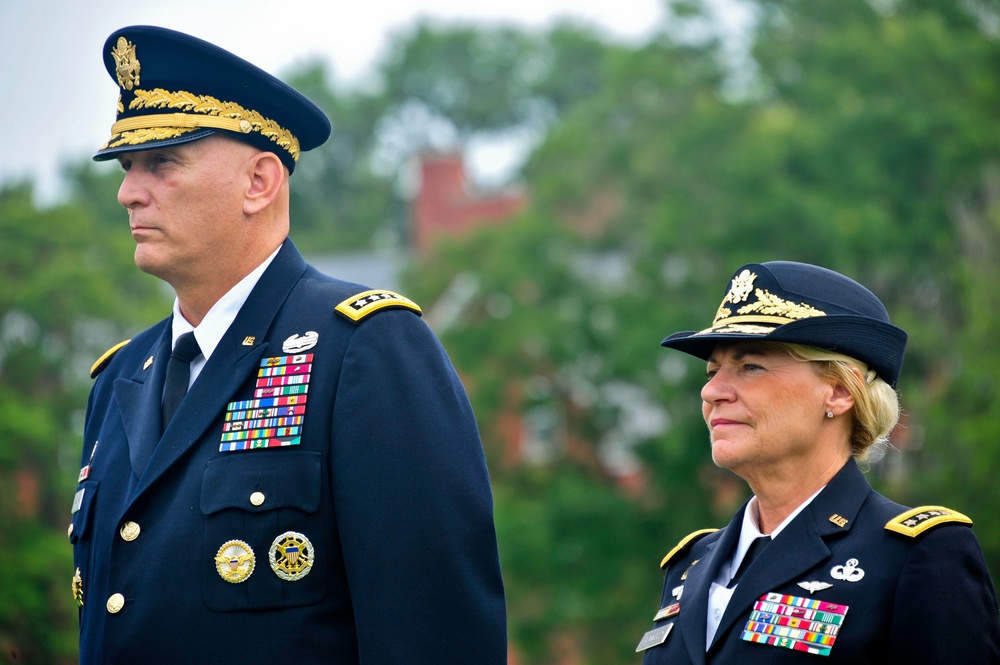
216	114
757	317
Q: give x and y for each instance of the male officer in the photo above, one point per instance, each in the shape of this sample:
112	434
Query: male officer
287	468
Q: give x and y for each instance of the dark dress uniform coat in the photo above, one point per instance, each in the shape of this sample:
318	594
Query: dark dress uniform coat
388	483
920	599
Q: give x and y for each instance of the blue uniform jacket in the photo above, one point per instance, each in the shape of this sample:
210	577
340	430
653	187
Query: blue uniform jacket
922	598
387	483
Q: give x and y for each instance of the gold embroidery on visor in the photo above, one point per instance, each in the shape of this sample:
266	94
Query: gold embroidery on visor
213	113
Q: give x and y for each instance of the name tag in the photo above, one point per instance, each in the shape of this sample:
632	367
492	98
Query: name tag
78	500
654	638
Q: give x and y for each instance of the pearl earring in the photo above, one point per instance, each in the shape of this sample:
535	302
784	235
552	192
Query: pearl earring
829	414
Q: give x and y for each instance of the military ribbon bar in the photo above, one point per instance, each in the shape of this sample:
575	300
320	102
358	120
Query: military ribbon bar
792	622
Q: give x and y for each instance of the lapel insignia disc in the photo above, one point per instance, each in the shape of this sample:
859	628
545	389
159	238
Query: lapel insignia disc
291	556
274	417
795	623
653	638
849	572
298	344
235	561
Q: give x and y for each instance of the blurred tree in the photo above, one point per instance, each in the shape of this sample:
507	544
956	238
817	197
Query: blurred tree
438	88
864	140
69	286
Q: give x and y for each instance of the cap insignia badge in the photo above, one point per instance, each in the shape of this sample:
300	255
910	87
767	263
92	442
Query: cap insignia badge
235	561
291	556
126	64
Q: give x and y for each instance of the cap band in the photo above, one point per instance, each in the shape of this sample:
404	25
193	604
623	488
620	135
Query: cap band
215	114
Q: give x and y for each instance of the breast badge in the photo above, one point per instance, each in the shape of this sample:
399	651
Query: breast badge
849	572
299	343
235	561
814	586
291	556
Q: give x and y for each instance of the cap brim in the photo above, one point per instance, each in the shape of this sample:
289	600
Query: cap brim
105	154
875	343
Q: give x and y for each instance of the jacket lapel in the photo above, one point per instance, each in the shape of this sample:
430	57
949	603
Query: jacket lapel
800	546
138	400
235	358
693	619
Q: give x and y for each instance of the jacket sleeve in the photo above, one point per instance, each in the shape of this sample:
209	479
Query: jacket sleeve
413	502
945	607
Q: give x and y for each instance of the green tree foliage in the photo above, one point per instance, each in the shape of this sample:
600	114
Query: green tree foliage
67	289
865	140
857	134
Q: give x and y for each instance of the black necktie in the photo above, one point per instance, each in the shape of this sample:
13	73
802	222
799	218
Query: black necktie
756	547
178	375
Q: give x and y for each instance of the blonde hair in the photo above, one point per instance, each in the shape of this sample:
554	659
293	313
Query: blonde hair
876	403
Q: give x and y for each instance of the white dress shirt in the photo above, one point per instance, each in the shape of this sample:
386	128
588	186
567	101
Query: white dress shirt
215	324
718	594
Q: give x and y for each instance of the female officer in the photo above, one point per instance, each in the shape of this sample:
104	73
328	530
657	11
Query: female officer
802	368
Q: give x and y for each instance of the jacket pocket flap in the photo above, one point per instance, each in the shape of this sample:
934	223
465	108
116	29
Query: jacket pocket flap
257	482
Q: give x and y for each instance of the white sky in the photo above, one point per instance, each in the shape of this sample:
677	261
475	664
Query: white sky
59	101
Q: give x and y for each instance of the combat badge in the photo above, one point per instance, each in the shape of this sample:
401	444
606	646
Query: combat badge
235	561
291	556
299	343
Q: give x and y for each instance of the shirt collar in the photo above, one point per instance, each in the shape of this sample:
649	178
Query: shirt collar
750	530
222	314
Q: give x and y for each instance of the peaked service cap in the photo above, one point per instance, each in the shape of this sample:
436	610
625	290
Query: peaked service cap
798	303
175	88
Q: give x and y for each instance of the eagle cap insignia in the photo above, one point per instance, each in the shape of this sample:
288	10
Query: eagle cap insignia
126	64
741	287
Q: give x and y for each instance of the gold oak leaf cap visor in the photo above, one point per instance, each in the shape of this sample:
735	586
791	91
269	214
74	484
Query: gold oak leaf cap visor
175	88
798	303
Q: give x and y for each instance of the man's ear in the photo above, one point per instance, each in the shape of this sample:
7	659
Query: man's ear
267	176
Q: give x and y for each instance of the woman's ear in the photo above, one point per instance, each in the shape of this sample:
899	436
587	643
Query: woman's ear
841	400
267	176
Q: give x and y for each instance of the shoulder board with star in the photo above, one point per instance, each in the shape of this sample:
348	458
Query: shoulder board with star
366	303
914	522
686	541
103	361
